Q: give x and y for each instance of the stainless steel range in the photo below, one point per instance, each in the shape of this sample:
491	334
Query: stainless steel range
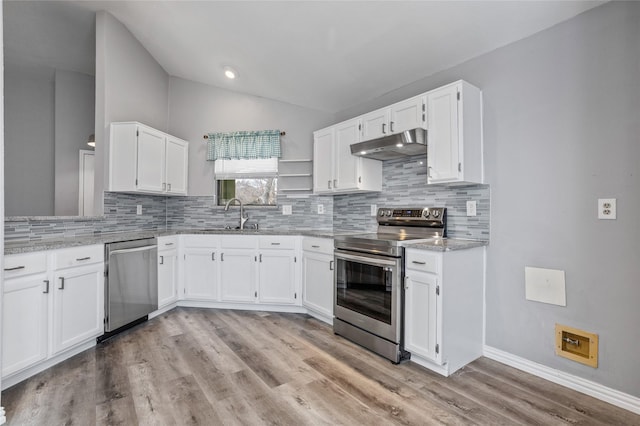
369	274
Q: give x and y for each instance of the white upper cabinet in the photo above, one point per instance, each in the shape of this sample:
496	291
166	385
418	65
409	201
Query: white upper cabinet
405	115
376	124
454	142
177	163
143	159
408	114
335	170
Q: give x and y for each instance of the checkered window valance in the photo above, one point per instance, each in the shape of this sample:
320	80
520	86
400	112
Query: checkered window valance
244	145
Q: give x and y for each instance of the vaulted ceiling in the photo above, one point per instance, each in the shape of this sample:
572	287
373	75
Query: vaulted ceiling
326	55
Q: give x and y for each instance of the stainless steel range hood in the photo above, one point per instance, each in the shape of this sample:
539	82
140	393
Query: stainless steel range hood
409	142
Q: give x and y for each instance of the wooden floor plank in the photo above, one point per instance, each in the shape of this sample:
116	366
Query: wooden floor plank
204	366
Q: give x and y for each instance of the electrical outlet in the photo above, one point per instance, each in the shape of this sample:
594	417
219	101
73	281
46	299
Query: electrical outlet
320	208
606	208
139	209
286	209
471	208
374	210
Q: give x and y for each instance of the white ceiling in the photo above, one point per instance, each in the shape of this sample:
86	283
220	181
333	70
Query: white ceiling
326	55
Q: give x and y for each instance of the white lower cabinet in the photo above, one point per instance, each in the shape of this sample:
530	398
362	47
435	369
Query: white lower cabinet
167	271
317	277
78	306
443	307
277	260
25	315
238	275
200	274
55	296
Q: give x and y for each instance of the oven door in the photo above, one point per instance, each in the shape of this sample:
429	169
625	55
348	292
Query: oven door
368	292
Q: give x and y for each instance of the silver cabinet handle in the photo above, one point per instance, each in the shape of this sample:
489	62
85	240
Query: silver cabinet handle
315	246
169	187
168	244
46	288
83	258
418	263
331	265
164	186
329	184
221	257
429	171
162	260
213	256
15	268
260	257
335	183
61	284
391	126
275	244
384	125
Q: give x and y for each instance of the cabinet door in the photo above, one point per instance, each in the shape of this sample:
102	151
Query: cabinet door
347	166
407	115
167	277
78	306
276	272
177	157
323	154
238	275
375	124
443	156
151	160
317	282
201	274
24	322
421	316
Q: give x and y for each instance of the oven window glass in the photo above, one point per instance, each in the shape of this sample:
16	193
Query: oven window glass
365	289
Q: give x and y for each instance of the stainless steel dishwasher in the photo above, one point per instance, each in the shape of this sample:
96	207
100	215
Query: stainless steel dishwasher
131	283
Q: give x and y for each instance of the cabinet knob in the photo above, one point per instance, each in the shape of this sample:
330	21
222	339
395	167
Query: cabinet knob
391	126
162	260
335	183
46	286
61	284
329	184
384	125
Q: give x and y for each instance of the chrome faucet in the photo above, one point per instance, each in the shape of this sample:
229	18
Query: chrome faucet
243	216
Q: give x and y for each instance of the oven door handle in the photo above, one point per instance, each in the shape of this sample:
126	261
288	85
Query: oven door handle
371	260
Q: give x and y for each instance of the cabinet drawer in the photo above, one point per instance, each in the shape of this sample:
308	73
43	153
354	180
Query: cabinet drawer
167	243
77	256
419	260
238	241
320	245
277	242
17	265
204	241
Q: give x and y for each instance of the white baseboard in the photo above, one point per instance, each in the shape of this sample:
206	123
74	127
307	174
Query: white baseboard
242	306
596	390
440	369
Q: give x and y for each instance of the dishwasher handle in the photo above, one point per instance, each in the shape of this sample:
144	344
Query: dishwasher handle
132	250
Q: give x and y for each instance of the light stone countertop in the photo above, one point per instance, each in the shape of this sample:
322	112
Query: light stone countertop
59	243
447	244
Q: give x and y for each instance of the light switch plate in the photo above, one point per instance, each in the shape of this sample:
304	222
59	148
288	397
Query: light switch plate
471	208
320	208
286	209
545	285
374	210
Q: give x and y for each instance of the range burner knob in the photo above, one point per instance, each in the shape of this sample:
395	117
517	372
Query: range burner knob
380	212
435	213
426	214
388	213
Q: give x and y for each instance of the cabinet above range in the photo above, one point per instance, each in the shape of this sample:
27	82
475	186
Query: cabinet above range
445	124
146	160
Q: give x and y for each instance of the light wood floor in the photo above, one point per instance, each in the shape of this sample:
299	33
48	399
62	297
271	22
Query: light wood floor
210	367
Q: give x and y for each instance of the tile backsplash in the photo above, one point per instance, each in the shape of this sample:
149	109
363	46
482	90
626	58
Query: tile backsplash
404	185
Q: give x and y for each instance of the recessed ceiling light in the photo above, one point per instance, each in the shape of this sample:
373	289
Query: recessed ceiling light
230	73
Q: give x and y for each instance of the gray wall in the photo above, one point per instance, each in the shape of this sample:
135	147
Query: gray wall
196	109
74	122
29	142
130	86
561	126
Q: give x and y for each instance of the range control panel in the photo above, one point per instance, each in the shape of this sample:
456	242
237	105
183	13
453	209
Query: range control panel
419	216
